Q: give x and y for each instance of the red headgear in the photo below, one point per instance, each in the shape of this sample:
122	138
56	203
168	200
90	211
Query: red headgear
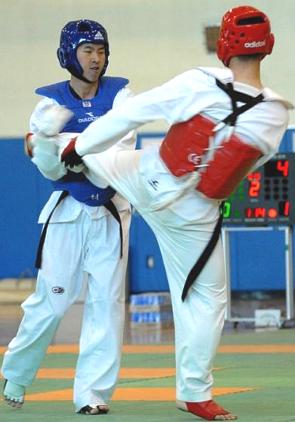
244	31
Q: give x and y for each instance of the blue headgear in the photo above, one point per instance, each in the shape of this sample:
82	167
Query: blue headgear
75	33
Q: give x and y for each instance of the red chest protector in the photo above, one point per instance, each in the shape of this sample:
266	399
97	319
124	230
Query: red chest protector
185	146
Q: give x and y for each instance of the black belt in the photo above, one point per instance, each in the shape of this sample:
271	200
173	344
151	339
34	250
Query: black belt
113	210
230	120
202	260
110	206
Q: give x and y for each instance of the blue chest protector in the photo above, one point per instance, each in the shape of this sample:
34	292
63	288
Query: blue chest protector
84	112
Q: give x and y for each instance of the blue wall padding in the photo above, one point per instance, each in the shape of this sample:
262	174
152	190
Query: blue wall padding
23	193
257	259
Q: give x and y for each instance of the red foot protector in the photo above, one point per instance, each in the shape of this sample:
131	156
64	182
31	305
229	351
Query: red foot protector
207	410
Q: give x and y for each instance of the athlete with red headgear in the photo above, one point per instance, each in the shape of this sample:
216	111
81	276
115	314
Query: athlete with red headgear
224	123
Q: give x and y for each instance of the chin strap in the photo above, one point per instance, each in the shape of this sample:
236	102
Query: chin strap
77	75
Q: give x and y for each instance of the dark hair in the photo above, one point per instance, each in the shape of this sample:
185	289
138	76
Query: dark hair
250	57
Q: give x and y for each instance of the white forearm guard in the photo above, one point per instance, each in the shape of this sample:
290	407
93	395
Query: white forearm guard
45	156
53	120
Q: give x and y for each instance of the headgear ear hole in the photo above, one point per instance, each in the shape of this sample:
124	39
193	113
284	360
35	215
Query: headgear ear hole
61	55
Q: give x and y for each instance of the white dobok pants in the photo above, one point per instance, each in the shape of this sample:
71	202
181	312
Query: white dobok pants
182	236
59	285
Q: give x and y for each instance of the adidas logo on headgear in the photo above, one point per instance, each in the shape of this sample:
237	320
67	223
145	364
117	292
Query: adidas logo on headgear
255	44
98	36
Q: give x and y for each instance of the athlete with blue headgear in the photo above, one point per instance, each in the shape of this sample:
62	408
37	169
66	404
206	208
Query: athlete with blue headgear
85	232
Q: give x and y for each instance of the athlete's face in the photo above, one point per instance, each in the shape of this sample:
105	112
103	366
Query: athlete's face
92	59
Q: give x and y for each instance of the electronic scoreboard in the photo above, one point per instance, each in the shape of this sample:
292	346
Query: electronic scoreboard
266	196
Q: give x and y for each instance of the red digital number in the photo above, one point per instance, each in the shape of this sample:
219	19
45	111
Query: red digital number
254	188
259	212
254	184
248	212
286	209
254	176
283	167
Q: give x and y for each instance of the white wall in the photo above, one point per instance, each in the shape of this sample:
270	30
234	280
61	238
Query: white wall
150	41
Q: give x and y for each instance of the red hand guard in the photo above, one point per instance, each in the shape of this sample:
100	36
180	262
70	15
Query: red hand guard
28	146
69	155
